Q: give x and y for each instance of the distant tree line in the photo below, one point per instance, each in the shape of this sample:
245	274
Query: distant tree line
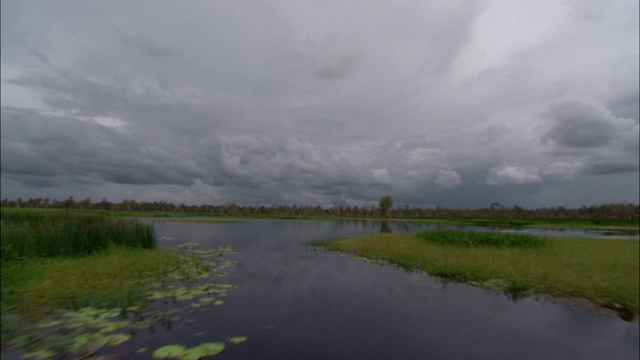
616	211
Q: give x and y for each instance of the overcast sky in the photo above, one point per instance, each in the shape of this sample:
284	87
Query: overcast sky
449	103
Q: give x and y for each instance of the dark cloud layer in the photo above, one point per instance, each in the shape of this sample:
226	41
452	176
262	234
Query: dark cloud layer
61	147
435	103
150	47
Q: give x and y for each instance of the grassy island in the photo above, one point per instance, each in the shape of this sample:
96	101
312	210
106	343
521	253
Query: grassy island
602	271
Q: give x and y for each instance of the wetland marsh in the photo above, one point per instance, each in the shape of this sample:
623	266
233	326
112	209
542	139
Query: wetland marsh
287	299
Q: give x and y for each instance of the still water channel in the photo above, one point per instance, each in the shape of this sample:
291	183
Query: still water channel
296	302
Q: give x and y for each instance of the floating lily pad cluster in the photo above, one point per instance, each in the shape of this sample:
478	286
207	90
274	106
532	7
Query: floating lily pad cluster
79	333
192	279
177	351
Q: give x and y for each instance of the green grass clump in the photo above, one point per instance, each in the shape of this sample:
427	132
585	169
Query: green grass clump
118	277
482	238
602	271
47	234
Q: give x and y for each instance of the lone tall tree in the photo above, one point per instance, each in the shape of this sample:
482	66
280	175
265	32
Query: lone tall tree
386	202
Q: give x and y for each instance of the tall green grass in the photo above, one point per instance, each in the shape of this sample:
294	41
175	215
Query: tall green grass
30	234
482	238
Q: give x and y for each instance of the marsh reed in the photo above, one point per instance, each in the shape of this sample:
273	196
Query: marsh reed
482	238
47	234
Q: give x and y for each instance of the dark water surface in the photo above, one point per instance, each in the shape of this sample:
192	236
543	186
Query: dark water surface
296	302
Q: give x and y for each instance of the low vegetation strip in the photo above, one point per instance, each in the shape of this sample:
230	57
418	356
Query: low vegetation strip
206	221
482	238
602	271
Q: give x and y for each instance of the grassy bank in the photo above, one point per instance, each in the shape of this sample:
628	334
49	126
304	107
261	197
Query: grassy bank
602	271
91	267
71	307
556	223
63	260
118	277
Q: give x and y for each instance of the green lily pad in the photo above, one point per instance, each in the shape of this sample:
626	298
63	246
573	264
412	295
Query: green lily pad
81	341
202	350
158	295
113	340
169	351
237	339
41	354
218	302
192	354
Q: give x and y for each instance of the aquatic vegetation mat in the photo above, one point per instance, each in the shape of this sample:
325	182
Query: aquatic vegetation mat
170	299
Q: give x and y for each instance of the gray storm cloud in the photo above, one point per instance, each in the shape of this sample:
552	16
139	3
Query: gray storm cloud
61	147
435	103
581	125
589	134
448	179
150	47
